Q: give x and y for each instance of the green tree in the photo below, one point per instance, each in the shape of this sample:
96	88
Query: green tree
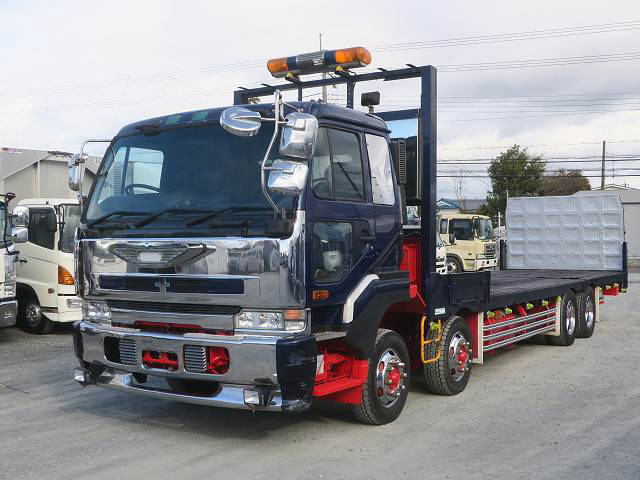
514	173
564	182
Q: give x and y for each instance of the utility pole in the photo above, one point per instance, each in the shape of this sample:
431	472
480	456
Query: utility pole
324	75
603	157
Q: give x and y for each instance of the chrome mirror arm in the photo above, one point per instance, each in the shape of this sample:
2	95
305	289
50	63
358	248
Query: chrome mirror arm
263	167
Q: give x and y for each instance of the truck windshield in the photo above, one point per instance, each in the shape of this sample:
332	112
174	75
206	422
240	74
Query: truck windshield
189	170
485	229
71	217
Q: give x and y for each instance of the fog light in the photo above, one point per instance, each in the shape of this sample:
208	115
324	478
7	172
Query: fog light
252	398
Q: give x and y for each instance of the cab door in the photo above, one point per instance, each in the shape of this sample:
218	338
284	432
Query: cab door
38	259
340	219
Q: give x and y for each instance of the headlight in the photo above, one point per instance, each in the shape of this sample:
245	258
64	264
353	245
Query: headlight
289	320
9	276
98	312
439	259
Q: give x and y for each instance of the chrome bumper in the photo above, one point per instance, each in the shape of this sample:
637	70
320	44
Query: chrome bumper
227	396
264	372
8	313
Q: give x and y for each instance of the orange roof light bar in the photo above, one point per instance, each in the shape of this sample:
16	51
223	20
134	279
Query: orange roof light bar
322	61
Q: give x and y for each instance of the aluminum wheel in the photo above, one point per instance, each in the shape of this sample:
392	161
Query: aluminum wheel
459	356
589	312
453	265
390	378
33	314
570	317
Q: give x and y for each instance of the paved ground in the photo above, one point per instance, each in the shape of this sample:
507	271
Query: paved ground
530	412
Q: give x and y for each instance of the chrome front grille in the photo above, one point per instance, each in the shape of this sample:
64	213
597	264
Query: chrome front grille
128	351
195	359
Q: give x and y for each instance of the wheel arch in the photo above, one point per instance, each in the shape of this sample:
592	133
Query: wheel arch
368	307
24	290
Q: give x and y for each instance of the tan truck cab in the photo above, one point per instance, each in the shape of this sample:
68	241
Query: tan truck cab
470	242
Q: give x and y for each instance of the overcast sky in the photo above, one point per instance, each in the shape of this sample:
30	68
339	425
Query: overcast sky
74	70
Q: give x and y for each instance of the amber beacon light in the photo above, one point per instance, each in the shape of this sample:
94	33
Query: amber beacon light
322	61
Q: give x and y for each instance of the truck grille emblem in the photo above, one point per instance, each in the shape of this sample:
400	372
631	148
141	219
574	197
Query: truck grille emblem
162	284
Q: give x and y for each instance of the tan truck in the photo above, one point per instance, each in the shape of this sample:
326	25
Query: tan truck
470	242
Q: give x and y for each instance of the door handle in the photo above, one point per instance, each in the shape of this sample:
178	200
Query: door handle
366	236
23	260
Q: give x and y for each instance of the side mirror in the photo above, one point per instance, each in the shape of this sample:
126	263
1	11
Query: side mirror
298	137
19	235
51	223
287	177
240	121
452	239
20	217
74	172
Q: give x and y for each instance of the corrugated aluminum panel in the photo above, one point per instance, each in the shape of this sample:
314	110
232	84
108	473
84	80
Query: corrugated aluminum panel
579	232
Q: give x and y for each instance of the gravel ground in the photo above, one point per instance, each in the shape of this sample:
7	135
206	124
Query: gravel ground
531	411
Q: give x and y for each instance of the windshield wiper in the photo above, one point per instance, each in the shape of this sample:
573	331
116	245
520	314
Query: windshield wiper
153	216
109	215
215	213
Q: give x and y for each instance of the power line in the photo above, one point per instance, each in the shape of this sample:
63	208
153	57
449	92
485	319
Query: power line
253	64
511	37
444	175
536	145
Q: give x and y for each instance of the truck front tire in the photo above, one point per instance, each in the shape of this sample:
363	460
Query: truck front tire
454	265
385	391
32	320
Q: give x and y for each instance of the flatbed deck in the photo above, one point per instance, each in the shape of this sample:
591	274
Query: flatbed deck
508	287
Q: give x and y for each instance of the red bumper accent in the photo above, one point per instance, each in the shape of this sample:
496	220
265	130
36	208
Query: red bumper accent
164	360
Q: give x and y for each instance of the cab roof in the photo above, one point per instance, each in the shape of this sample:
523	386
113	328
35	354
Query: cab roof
318	109
461	215
48	201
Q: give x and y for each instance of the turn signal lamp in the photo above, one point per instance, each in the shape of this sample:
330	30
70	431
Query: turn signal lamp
321	61
64	277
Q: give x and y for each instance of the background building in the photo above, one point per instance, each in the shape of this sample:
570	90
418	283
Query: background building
39	173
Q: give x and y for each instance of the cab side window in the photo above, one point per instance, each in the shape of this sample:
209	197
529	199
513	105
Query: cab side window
462	229
443	226
337	166
38	233
380	167
333	254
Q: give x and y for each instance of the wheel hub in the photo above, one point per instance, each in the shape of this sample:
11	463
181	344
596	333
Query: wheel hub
32	314
589	312
570	314
390	378
459	356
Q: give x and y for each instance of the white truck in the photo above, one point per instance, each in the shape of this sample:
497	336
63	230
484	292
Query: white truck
45	284
8	303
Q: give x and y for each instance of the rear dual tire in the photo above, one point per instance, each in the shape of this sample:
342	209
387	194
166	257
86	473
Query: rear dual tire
586	322
568	321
